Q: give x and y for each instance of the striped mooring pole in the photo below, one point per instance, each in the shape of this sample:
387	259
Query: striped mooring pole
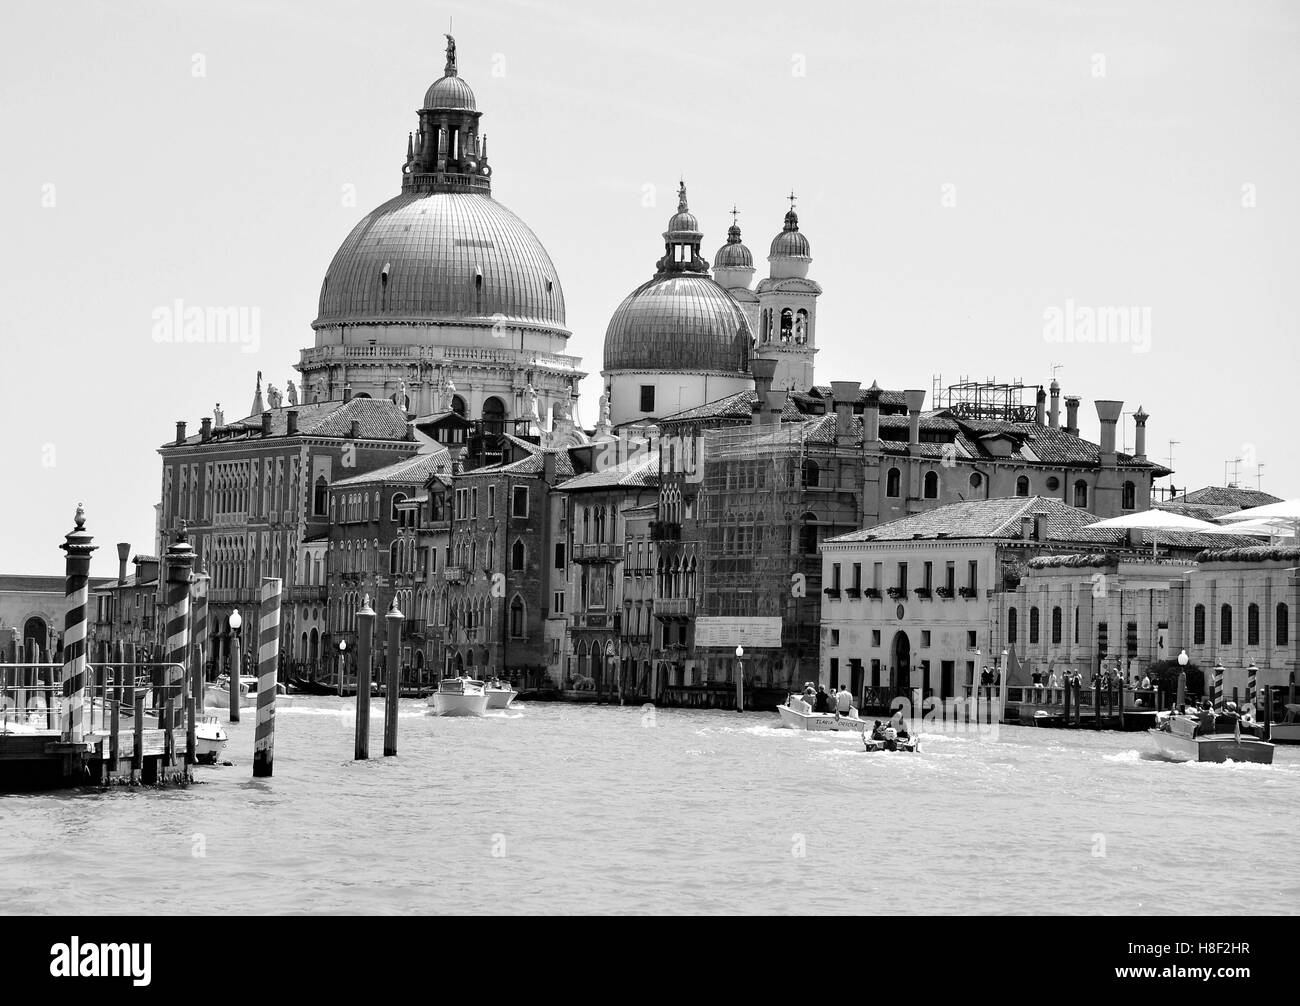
1252	687
268	661
1216	685
199	635
77	546
393	686
176	649
365	644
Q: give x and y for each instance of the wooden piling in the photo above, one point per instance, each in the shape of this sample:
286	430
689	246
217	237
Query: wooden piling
114	735
1268	713
176	649
268	662
233	675
137	741
199	637
365	636
393	620
1096	701
191	740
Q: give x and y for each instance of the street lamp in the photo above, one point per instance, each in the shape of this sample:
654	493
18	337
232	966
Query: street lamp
343	645
740	680
236	666
1181	701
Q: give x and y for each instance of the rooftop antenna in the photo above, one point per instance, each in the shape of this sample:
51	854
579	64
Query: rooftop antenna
1055	368
1236	471
1259	475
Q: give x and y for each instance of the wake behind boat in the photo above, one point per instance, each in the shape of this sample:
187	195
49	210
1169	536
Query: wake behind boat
458	697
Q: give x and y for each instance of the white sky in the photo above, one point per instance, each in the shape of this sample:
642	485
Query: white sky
1119	190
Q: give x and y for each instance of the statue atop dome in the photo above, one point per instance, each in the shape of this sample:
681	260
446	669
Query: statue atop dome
450	69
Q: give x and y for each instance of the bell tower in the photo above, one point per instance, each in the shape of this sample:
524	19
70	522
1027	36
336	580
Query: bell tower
787	309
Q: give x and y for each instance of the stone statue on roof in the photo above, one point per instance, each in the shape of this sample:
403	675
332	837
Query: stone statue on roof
273	395
530	404
218	417
293	393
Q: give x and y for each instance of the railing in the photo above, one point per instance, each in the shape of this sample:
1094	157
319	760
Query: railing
675	607
27	706
601	551
434	354
454	574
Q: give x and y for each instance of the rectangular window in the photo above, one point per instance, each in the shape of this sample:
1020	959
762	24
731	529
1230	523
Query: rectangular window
473	502
875	637
877	574
902	576
971	641
558	606
835	637
857	576
875	673
519	502
647	398
492	501
835	673
929	576
972	574
835	576
559	555
950	577
925	637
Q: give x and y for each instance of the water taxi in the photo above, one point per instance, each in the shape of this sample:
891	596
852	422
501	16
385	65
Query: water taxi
1177	739
209	739
458	697
794	716
218	692
1287	729
500	694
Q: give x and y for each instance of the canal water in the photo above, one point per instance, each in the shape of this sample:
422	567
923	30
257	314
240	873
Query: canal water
567	808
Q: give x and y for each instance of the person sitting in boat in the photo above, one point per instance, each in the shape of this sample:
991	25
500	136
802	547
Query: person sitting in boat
878	732
1205	719
898	724
844	701
891	737
822	703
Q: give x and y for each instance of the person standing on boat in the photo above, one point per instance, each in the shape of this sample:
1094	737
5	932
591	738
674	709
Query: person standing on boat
822	704
844	701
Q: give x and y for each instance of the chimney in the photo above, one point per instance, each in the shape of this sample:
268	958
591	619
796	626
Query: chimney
763	372
1054	416
1140	437
292	418
843	395
266	424
871	417
347	393
410	431
354	430
180	432
1027	527
548	467
775	403
1040	409
915	399
205	429
123	553
1072	415
1108	413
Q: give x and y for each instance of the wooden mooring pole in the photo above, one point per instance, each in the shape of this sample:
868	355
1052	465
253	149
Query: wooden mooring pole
393	620
137	740
268	661
365	637
180	563
77	545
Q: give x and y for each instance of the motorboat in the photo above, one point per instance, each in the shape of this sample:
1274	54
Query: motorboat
794	716
458	697
901	744
218	692
1287	729
499	694
209	739
1177	738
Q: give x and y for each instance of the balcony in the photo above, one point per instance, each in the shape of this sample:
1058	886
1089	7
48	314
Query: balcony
601	551
454	574
923	592
665	530
674	607
898	593
832	592
598	620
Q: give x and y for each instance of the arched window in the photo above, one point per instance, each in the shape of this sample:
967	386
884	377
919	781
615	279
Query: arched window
801	327
1128	499
810	474
517	556
394	558
492	553
1225	624
1081	494
320	493
1283	628
1033	626
765	325
932	485
787	324
1012	627
394	513
458	405
1022	485
1252	625
517	617
807	534
892	483
1056	626
1198	624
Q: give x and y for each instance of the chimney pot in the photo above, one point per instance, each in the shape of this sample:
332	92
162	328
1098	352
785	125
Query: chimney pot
205	429
844	394
1108	412
915	399
1054	416
1040	408
1072	415
123	554
266	424
180	432
347	393
291	417
354	431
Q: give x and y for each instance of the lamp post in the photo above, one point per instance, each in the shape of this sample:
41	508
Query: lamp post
740	679
232	679
1181	702
343	645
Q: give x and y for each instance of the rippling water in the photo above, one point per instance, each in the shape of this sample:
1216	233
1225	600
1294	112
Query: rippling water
565	808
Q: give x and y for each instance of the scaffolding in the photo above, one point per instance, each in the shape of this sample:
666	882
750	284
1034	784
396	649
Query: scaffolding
987	400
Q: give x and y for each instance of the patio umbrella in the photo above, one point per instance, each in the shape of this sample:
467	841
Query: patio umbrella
1154	521
1285	510
1258	527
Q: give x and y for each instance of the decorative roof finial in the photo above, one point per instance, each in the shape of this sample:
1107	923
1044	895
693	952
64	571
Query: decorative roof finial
735	215
681	197
450	69
80	517
791	197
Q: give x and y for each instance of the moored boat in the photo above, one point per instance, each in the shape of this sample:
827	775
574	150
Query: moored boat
794	717
209	739
1178	738
458	697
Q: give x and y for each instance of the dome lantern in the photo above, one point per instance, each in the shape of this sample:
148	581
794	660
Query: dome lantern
682	240
448	154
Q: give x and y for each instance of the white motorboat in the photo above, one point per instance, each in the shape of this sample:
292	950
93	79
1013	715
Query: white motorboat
1177	739
1287	729
218	692
500	695
458	697
795	715
209	739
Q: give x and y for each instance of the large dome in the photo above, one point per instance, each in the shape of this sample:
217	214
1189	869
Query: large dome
454	257
680	322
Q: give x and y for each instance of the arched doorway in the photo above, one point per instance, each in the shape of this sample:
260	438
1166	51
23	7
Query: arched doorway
313	646
901	672
36	629
458	665
458	405
494	416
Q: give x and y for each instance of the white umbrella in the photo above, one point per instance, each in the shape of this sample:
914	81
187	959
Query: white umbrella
1154	521
1261	528
1285	510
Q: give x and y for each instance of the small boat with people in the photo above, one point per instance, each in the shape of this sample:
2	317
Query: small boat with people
891	736
499	694
814	709
1207	736
1287	729
218	692
461	696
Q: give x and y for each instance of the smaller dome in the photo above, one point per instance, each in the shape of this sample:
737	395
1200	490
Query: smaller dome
684	221
733	255
790	243
682	225
450	92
